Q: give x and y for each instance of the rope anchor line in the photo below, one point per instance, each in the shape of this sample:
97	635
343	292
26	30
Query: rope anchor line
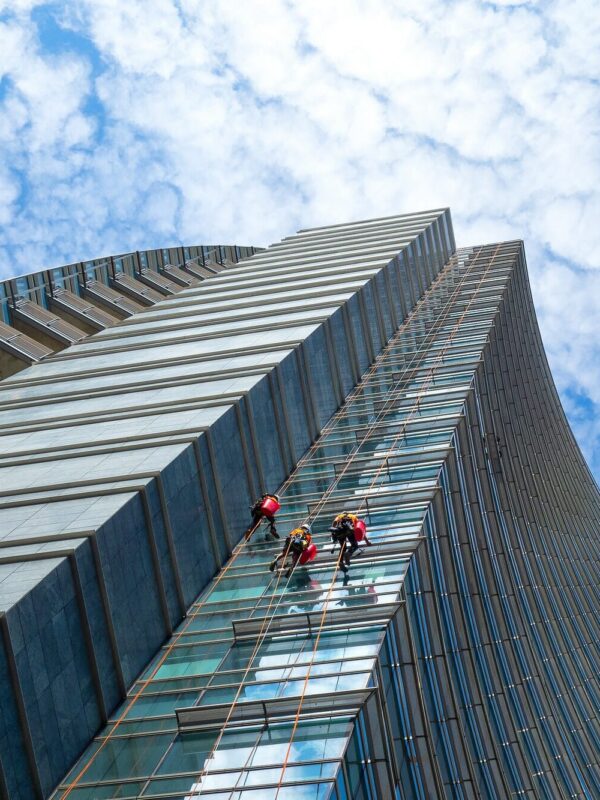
313	514
237	551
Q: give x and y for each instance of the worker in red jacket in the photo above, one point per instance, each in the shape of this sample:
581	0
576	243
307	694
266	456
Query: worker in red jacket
295	544
265	508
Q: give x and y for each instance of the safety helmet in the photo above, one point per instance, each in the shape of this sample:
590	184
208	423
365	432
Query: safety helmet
305	528
276	496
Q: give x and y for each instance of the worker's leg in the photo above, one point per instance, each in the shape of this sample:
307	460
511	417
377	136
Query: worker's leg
295	557
272	528
351	547
276	561
256	520
281	557
337	538
342	559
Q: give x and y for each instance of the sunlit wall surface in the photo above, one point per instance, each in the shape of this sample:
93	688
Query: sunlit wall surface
460	657
127	464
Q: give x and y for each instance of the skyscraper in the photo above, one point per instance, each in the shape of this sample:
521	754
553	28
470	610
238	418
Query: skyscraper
368	367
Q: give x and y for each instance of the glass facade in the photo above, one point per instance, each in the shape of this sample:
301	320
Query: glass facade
384	373
380	456
129	460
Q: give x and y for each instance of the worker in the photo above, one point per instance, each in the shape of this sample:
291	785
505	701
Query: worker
265	508
295	544
343	533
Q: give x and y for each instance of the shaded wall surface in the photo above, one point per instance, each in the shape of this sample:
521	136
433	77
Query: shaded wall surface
500	625
128	462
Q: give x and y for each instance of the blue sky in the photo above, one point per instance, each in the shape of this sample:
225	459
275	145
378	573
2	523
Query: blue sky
159	122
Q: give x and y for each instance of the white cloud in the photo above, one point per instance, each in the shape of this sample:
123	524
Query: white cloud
243	121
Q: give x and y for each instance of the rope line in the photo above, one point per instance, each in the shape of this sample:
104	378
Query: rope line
263	632
238	549
448	306
325	608
236	552
260	640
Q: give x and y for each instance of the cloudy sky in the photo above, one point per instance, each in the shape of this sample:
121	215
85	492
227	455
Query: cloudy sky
146	123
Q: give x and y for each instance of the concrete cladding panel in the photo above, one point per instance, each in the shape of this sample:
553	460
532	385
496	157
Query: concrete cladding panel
140	449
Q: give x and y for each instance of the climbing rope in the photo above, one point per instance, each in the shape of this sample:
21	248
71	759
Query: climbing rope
325	607
237	551
264	628
267	621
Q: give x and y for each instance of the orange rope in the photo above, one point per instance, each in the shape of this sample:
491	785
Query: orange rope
198	792
236	552
325	607
372	369
391	399
320	504
238	549
259	641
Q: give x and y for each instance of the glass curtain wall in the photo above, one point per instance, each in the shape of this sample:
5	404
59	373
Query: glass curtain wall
300	655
